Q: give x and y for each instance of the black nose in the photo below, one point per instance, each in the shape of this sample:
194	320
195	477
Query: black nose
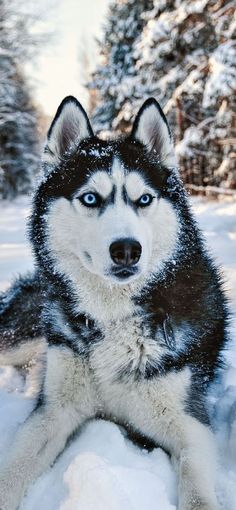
125	252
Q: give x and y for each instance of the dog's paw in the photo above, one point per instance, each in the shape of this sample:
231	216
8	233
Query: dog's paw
192	502
198	506
8	503
9	499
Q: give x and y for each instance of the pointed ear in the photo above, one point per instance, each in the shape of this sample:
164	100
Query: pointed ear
152	130
69	127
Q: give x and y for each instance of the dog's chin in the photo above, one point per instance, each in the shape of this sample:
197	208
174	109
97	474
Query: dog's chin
123	276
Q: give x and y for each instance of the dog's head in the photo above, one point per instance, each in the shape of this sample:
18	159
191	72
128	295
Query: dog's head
104	206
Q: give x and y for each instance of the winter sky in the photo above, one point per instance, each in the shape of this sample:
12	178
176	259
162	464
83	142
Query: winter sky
59	69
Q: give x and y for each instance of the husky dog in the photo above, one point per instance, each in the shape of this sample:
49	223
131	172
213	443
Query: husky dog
131	304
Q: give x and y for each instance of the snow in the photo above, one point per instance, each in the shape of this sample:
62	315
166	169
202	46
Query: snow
15	254
222	76
101	469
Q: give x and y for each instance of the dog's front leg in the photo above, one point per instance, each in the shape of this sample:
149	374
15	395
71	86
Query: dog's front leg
192	446
159	409
196	467
68	402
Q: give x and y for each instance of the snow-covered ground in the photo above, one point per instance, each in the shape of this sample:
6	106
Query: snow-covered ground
101	469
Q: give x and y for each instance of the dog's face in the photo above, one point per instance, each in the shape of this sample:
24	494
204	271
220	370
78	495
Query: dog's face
108	210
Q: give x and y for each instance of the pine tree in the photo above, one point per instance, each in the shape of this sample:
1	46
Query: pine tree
185	56
113	82
18	117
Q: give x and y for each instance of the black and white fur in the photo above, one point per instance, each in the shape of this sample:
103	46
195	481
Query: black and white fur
139	344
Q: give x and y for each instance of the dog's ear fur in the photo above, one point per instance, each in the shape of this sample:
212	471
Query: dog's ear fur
152	130
69	127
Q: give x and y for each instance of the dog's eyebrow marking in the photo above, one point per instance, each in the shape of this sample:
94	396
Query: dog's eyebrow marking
101	183
110	200
127	200
135	186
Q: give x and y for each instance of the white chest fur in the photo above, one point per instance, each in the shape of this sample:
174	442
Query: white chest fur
127	351
119	364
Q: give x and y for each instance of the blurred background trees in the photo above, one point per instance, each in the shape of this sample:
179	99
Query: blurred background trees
19	140
113	83
184	54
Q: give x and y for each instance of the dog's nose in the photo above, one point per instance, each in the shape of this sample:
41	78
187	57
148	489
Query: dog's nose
125	252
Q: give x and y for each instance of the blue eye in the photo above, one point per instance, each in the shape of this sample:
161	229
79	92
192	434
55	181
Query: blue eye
90	199
144	200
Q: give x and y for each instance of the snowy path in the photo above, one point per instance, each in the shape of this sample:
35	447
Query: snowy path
101	470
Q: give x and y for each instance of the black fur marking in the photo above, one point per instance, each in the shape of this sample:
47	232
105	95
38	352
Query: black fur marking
140	440
169	332
40	402
20	312
133	434
185	294
110	200
125	196
87	256
128	201
65	327
195	404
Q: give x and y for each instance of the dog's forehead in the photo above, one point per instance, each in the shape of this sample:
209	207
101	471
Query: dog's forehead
118	176
105	167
